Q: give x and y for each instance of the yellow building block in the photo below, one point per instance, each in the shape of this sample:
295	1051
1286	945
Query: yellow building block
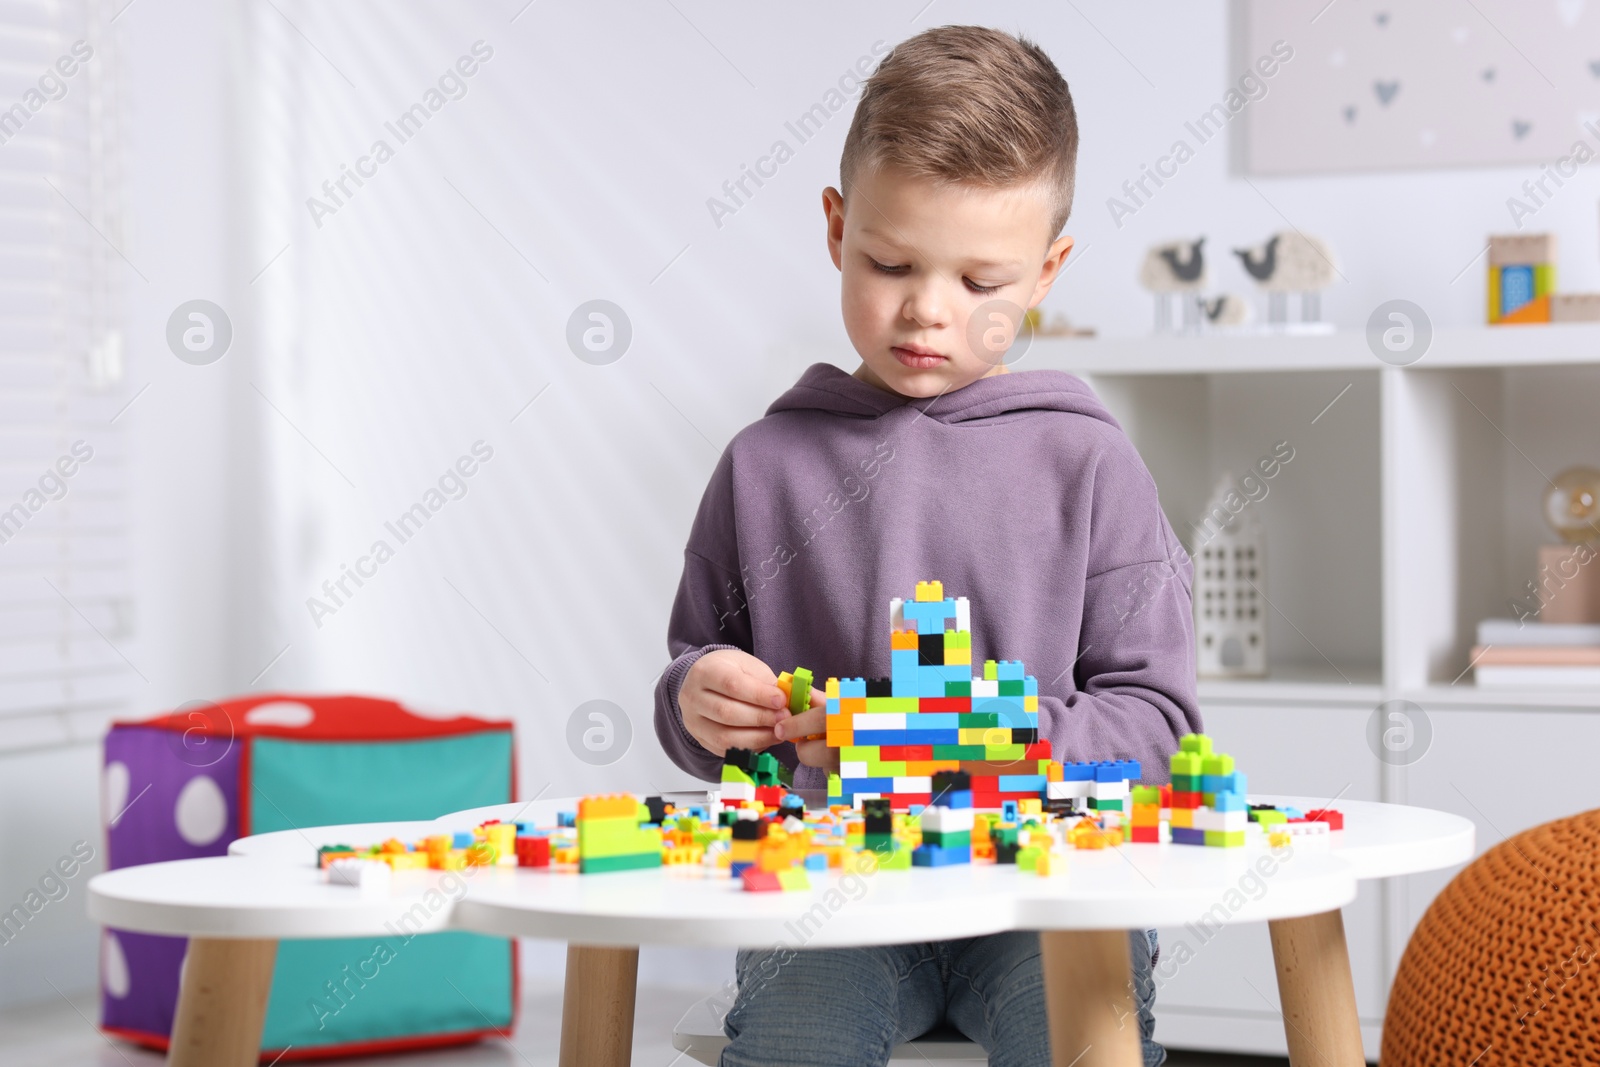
405	861
961	657
1029	703
1182	818
608	806
930	591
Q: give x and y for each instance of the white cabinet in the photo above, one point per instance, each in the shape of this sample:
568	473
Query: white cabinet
1410	511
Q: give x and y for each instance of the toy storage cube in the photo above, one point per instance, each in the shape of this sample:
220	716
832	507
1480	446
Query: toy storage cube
188	783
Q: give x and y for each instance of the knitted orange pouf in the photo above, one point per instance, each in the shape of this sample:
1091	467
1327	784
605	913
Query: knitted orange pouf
1504	968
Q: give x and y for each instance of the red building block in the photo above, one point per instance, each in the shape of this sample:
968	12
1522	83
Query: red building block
1334	819
533	851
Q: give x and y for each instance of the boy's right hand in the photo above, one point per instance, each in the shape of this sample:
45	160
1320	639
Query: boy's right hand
730	699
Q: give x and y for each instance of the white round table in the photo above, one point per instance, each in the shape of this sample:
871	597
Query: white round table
236	907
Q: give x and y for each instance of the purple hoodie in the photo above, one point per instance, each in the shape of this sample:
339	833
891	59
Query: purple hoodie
1019	492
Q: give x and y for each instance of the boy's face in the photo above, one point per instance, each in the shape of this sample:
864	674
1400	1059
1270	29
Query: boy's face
919	258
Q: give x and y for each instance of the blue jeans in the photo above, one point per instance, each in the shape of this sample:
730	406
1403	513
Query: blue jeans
850	1007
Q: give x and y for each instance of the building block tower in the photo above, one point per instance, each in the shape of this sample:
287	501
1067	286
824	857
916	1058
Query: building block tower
612	835
1208	796
933	714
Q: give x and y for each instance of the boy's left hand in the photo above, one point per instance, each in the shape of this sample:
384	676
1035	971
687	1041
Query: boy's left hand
815	721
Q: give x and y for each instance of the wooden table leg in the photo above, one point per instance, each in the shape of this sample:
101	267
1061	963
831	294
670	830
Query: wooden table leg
222	1003
597	1009
1318	994
1089	992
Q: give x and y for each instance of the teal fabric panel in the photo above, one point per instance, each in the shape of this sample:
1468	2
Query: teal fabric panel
401	991
295	784
342	991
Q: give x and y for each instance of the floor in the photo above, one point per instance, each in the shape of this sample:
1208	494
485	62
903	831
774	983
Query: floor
61	1035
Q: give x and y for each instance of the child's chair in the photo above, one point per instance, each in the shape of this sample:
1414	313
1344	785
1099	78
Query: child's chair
699	1035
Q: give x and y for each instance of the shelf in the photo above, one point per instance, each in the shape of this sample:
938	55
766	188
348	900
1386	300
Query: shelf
1231	353
1294	683
1465	696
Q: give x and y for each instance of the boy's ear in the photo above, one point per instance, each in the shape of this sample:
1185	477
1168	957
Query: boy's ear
1053	262
833	211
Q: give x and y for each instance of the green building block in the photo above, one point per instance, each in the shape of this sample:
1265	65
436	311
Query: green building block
799	691
607	864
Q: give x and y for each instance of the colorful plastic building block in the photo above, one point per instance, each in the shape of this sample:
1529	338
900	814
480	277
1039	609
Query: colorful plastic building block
612	837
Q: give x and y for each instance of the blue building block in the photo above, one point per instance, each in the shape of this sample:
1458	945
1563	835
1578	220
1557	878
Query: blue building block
1183	835
1030	686
941	856
938	610
1021	783
1008	811
953	798
817	862
933	720
1226	801
852	687
1009	670
903	664
893	737
1109	771
866	785
1077	772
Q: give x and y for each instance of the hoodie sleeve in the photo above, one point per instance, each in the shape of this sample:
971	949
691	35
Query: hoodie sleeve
1135	673
709	613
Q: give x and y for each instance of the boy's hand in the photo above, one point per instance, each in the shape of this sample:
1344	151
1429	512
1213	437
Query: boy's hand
730	699
807	724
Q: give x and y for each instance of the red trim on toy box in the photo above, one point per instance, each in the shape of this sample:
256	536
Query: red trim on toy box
160	1043
395	1044
334	718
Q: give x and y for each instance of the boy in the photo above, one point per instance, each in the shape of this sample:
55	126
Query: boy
1017	490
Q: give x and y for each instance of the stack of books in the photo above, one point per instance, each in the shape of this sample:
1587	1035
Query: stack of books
1516	654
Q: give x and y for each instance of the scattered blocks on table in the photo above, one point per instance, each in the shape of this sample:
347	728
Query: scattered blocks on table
370	876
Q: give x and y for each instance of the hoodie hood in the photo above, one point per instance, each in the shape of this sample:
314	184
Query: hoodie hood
824	387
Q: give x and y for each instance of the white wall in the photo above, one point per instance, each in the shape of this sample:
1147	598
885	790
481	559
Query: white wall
420	318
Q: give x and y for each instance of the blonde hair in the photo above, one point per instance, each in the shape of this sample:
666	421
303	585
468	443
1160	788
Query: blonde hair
968	105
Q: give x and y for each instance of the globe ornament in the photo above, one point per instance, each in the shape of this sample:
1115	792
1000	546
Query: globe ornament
1572	505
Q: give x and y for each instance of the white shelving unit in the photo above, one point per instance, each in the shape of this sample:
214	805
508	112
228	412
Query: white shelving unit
1410	510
